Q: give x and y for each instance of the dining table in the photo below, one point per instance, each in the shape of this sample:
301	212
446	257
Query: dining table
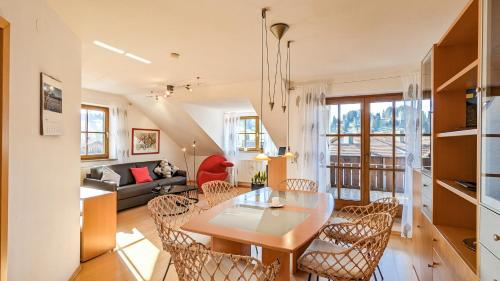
283	233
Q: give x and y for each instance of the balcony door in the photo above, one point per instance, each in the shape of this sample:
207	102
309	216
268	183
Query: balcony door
367	148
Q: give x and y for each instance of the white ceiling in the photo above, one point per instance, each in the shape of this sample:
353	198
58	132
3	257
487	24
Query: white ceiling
219	40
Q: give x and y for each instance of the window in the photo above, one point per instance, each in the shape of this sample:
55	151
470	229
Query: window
249	133
94	126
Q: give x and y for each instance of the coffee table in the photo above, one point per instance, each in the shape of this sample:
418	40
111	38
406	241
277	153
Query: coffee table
188	191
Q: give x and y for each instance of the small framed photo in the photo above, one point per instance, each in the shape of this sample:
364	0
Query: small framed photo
51	106
145	141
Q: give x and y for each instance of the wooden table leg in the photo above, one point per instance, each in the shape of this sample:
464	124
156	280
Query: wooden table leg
296	255
230	247
269	256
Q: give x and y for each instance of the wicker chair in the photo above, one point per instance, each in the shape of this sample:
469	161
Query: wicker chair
197	263
353	213
300	185
217	192
169	213
337	260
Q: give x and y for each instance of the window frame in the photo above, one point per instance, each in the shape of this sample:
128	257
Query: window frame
105	155
256	133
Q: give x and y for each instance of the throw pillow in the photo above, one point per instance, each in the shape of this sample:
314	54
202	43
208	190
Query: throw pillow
163	169
109	175
141	175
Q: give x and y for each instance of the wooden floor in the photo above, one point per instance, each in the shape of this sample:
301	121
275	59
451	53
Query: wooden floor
138	255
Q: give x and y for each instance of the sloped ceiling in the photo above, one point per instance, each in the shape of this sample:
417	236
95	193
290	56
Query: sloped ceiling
220	40
177	123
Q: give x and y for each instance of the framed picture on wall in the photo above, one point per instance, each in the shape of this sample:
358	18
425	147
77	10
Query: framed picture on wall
145	141
51	106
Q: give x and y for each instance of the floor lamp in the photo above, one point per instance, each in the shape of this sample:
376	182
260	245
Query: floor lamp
185	161
194	164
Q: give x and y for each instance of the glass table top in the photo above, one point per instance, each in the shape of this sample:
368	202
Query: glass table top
263	198
259	219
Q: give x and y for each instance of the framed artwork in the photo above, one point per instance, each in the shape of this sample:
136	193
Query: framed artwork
51	106
145	141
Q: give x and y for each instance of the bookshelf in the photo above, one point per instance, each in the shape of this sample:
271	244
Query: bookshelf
456	67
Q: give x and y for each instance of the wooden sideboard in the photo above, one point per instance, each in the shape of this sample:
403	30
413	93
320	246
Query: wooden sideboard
97	222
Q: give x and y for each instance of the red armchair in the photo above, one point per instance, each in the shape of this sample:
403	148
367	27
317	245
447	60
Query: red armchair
212	168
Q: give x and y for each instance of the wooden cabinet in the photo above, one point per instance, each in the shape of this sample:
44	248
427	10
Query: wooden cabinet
422	233
489	214
439	270
276	171
97	222
446	242
490	265
423	242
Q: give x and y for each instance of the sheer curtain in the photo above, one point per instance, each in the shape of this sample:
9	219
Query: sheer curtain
268	144
309	132
413	106
230	143
119	141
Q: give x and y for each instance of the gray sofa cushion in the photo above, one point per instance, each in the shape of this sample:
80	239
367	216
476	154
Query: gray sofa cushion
171	181
133	190
151	167
124	171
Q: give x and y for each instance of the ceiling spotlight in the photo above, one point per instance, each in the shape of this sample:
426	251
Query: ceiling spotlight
175	55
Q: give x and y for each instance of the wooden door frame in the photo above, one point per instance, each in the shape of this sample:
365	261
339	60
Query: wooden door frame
4	142
365	140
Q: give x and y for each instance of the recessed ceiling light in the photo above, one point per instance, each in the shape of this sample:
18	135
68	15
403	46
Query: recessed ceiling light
132	56
109	47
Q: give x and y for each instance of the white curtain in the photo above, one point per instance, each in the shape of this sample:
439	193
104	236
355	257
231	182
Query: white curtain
119	141
412	113
310	143
230	144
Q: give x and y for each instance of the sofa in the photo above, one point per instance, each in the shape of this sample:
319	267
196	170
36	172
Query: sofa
129	194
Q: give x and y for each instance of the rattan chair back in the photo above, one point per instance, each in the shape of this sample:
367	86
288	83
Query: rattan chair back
217	192
300	185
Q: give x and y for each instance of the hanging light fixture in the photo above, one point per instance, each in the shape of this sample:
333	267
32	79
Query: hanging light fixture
288	153
263	156
279	29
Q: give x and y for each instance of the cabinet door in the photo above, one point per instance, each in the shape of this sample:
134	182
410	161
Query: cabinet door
423	248
490	106
440	272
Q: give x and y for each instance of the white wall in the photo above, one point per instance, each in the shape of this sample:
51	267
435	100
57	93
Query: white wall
211	120
44	229
136	119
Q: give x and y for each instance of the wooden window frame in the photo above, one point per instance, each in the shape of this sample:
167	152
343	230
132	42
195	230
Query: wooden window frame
106	133
257	133
365	135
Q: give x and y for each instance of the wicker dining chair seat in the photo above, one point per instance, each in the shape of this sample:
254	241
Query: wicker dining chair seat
327	263
339	257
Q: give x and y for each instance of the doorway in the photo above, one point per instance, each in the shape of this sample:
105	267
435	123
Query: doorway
4	144
367	148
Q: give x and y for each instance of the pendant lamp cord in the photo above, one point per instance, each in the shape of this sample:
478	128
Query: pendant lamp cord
288	77
262	74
